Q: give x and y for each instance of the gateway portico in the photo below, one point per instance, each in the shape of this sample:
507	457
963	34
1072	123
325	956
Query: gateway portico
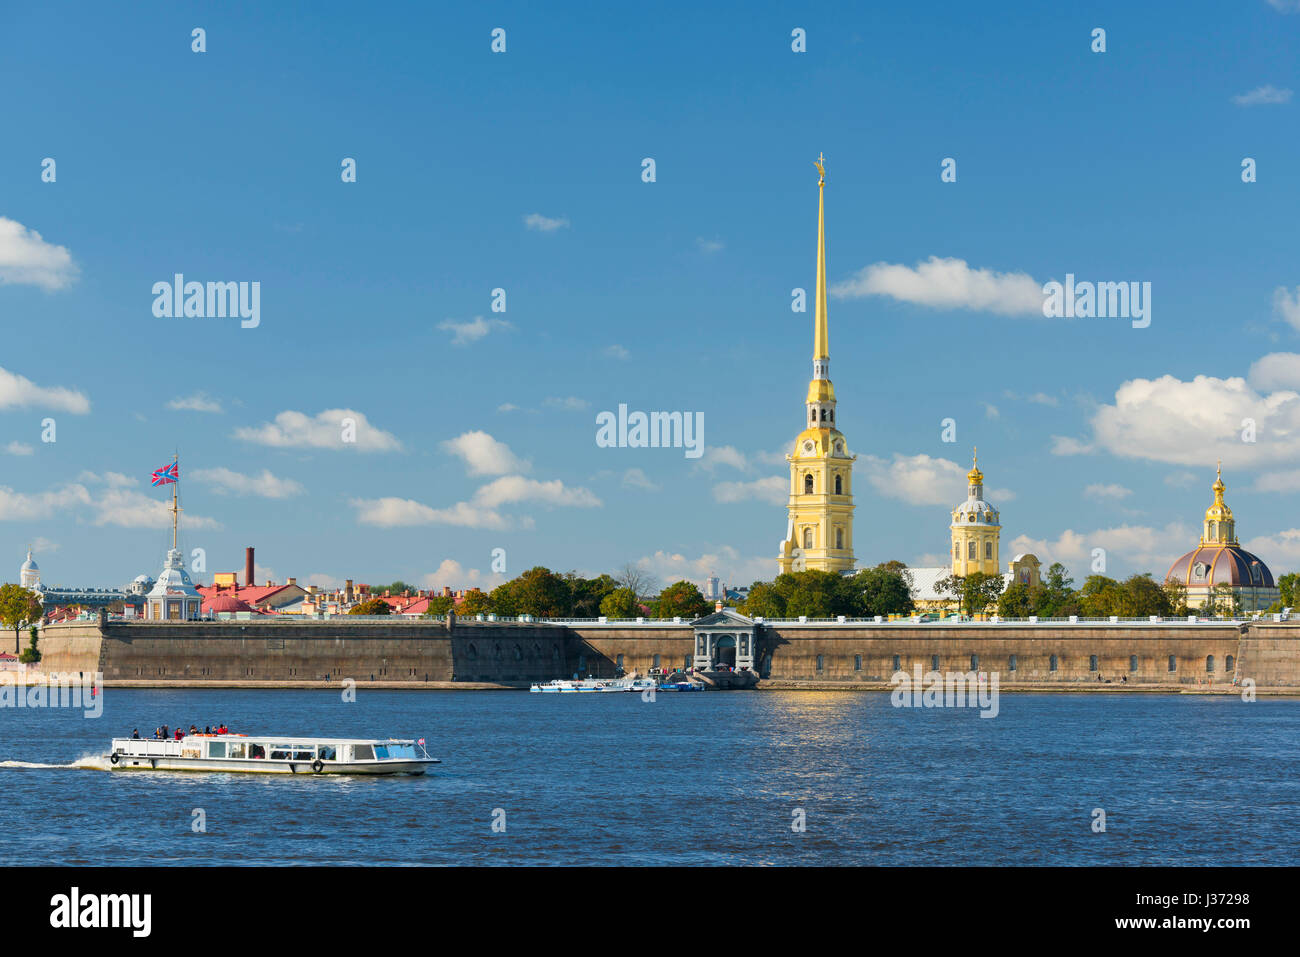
724	638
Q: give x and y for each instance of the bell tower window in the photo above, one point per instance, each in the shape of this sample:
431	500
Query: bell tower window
808	484
808	537
839	485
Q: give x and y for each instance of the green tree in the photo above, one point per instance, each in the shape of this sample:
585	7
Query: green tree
440	605
974	593
586	594
1020	600
764	601
18	607
1287	586
1141	596
1176	594
31	654
1100	597
1223	601
883	590
620	603
538	591
681	598
474	602
374	606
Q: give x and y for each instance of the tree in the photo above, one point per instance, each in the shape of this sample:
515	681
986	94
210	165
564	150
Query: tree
1020	600
1176	594
374	606
31	654
1099	597
18	607
538	591
1222	600
682	599
586	594
763	601
644	585
1287	586
474	602
440	605
974	592
883	590
620	603
1142	596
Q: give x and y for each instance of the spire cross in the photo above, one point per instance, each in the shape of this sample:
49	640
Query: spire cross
820	163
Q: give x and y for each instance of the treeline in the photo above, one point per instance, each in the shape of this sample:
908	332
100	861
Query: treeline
883	590
546	594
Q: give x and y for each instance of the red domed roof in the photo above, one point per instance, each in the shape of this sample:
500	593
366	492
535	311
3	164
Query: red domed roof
228	603
1220	565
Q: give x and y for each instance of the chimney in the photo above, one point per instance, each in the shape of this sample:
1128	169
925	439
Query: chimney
311	589
293	581
717	605
347	590
248	566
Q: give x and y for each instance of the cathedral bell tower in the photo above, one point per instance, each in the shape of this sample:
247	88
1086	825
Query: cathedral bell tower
819	532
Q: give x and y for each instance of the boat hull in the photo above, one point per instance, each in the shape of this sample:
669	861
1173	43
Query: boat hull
262	766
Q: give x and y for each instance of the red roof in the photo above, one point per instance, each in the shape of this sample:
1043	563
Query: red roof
252	594
226	603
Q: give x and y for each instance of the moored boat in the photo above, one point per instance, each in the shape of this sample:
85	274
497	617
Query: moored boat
270	754
584	686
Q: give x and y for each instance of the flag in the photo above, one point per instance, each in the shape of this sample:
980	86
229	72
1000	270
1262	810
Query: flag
420	742
167	474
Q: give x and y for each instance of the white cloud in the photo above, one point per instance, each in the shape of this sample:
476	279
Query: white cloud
1278	551
18	448
325	430
1284	481
544	224
1112	491
725	562
1277	370
513	489
1287	305
27	259
265	485
991	411
1262	95
717	456
1285	6
922	479
113	505
774	490
1181	479
1196	422
463	333
636	478
1042	398
1128	548
567	403
485	455
393	512
708	246
198	402
615	352
947	284
116	479
1065	445
453	575
19	392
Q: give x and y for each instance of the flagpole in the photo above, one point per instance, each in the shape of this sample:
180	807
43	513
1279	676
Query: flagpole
175	509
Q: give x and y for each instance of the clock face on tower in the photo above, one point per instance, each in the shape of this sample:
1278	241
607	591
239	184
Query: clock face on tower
807	446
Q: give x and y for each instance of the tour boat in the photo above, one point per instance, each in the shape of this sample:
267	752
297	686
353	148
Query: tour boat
681	686
269	754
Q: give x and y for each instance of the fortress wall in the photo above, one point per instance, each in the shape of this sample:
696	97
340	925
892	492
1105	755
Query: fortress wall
598	648
794	652
508	652
255	651
1270	653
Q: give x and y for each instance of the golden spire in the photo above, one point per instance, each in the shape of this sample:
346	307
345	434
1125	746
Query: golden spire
975	476
821	341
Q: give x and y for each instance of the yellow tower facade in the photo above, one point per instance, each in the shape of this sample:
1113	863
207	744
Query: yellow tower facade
1219	528
976	529
819	532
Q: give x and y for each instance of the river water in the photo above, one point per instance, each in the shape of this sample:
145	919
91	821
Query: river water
717	778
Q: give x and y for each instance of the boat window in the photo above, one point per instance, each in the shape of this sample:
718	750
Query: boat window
257	750
281	752
238	751
216	749
327	753
304	754
363	752
400	751
381	751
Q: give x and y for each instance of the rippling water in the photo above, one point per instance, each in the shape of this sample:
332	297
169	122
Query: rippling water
710	778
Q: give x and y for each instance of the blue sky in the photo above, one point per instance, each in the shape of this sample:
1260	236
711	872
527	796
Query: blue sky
672	295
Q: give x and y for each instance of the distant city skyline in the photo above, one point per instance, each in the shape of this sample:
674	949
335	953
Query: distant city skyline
516	181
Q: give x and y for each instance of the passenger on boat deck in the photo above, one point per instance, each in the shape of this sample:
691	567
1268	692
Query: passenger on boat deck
135	734
166	734
180	733
194	729
207	729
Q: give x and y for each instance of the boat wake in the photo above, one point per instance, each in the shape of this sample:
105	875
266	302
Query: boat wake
92	762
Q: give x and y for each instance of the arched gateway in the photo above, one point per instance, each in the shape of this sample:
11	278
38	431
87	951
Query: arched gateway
724	638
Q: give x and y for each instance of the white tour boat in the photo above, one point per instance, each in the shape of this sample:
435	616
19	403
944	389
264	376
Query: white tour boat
593	685
269	754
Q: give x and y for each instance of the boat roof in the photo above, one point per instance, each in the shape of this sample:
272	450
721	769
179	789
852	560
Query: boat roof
275	739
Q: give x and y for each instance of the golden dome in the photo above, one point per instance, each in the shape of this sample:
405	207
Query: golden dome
821	390
975	476
1219	510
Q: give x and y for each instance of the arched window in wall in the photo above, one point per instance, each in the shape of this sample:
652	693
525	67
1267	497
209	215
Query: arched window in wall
839	538
808	484
988	549
808	537
823	415
970	549
839	485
